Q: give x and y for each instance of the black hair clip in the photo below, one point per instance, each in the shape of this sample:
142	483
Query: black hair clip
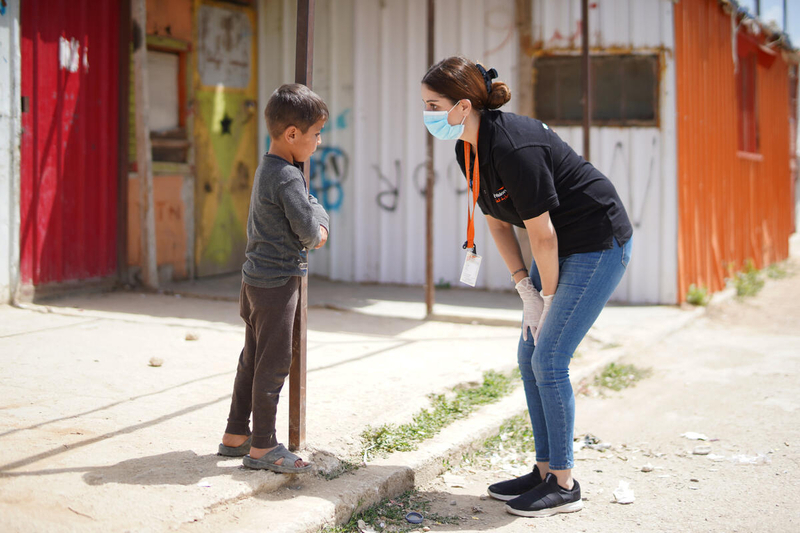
488	76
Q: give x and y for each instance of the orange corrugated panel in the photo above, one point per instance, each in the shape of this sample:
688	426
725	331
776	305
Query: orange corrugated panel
731	207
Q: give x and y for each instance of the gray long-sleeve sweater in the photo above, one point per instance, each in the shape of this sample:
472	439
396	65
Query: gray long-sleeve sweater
282	225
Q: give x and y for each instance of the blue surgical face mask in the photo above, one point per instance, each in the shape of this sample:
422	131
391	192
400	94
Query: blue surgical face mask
436	122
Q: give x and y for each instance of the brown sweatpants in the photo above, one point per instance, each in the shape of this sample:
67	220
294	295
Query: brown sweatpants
264	363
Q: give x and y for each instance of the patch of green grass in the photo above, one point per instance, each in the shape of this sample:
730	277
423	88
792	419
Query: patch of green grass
388	438
617	377
345	467
514	435
749	281
442	284
776	271
390	514
698	295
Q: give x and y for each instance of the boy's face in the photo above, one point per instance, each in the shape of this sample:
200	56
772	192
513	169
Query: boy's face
305	144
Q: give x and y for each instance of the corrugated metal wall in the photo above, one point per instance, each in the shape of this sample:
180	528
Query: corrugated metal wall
369	172
641	162
732	207
69	141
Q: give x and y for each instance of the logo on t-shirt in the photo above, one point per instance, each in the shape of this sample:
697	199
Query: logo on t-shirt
500	195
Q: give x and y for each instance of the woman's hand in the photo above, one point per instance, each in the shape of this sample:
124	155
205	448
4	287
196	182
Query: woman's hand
532	308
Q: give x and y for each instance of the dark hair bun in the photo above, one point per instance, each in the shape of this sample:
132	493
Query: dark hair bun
499	96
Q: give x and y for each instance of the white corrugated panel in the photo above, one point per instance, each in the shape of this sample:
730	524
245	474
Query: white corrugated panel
369	58
641	162
10	132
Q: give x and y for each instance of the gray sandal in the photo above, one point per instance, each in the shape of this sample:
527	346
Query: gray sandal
237	451
267	462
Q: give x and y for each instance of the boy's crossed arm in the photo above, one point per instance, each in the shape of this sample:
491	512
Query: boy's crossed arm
306	216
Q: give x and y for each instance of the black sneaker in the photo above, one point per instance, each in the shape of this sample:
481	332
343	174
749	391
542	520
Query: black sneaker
510	489
547	499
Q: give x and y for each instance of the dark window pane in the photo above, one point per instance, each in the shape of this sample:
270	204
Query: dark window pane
640	75
558	89
624	89
606	88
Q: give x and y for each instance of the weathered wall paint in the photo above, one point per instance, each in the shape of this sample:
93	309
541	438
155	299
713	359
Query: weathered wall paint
170	21
170	18
68	191
641	162
226	120
732	208
171	217
10	134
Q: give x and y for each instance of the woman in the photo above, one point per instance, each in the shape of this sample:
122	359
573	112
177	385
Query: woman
524	175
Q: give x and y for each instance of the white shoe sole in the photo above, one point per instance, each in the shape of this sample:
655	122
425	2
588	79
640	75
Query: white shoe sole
501	497
566	508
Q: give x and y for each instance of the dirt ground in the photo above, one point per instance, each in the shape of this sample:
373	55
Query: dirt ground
733	377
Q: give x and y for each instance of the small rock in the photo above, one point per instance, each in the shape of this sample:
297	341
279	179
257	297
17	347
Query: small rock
476	509
484	497
647	468
156	361
701	450
694	480
192	336
691	435
453	503
426	528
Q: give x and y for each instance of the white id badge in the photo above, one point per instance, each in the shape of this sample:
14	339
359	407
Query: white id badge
472	264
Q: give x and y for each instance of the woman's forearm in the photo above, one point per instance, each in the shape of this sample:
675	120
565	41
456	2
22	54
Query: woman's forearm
506	241
544	247
545	253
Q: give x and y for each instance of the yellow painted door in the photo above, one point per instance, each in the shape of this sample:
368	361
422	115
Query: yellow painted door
225	130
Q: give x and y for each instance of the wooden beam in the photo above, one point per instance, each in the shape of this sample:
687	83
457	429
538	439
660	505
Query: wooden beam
304	60
144	157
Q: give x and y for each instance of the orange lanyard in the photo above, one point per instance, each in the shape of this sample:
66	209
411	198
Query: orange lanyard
476	180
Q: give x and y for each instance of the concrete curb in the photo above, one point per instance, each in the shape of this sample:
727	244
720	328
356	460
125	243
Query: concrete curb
328	503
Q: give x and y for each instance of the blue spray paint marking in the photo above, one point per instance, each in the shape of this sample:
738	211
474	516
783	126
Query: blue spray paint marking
338	123
3	5
327	170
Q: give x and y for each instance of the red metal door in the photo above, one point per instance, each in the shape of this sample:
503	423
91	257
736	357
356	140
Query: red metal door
69	171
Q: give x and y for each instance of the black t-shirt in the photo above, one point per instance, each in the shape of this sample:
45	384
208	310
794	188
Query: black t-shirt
526	170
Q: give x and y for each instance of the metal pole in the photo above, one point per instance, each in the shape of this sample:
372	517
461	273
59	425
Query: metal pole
430	291
144	155
587	81
786	16
304	60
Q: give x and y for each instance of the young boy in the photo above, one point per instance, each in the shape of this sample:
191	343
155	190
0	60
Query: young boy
284	222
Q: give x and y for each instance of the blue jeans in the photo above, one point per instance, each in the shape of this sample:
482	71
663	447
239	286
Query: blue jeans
586	282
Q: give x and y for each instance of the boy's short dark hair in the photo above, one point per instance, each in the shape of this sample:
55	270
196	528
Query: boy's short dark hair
296	105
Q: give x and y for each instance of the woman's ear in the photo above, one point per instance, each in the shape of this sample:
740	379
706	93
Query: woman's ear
466	106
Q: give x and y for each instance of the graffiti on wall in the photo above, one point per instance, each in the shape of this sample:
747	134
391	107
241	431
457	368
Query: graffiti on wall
389	195
327	171
3	5
637	202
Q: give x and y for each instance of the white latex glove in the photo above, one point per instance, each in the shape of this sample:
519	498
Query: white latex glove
532	306
548	301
